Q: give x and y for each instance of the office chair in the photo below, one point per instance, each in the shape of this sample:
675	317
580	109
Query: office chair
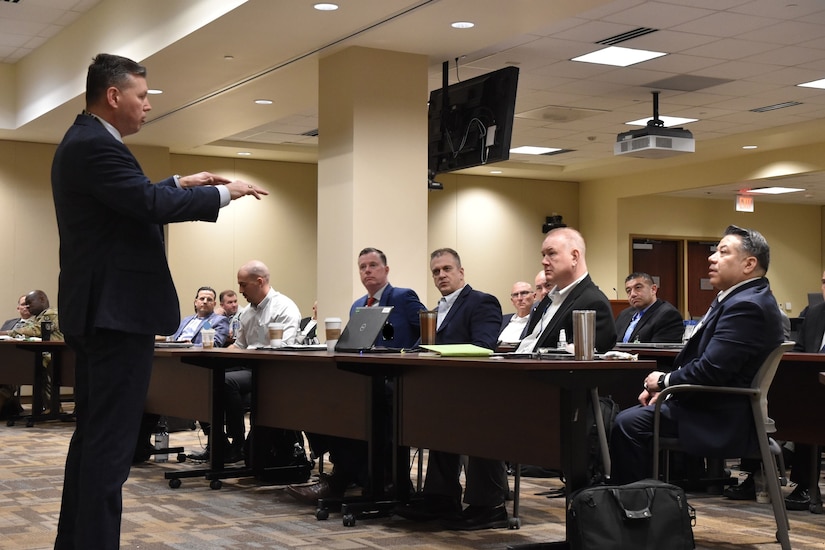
768	448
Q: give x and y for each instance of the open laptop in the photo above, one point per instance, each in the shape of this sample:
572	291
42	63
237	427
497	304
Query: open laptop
363	328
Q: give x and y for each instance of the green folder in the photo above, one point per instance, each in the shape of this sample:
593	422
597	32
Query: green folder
459	350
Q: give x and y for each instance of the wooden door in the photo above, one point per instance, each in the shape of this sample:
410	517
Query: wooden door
699	291
661	260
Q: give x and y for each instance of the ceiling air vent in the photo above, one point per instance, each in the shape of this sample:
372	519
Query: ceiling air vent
625	36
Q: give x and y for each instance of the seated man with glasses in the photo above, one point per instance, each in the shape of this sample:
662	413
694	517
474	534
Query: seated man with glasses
513	324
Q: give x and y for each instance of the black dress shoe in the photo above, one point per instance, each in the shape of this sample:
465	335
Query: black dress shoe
431	507
744	491
474	518
310	494
202	456
799	499
233	454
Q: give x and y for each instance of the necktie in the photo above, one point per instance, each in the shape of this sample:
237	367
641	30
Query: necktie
370	301
633	322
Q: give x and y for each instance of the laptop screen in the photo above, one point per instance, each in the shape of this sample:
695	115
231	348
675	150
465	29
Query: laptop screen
363	328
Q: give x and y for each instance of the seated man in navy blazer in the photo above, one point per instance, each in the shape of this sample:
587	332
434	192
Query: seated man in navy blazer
727	348
465	316
403	329
565	267
648	319
205	317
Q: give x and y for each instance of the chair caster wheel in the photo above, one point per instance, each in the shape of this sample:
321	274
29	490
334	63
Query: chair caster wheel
321	514
174	483
816	508
29	423
349	520
215	484
10	423
514	523
181	457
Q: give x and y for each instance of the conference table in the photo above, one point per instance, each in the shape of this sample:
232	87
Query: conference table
519	410
21	363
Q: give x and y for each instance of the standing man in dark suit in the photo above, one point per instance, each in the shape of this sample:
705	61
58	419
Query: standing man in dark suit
565	266
465	316
648	319
727	348
403	329
109	217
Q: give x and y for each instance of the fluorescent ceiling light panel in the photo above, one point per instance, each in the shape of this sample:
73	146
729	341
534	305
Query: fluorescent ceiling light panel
669	121
775	190
618	56
814	84
531	150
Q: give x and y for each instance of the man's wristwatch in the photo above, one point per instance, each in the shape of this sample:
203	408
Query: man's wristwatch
661	382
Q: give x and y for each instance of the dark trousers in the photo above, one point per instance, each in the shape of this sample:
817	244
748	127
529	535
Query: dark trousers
486	479
631	442
111	381
236	390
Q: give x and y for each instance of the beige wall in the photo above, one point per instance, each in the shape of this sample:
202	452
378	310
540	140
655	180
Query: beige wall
279	230
494	223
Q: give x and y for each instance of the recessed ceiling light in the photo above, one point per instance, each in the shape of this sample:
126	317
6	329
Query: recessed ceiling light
228	57
244	153
263	101
325	7
154	92
618	56
814	84
668	121
749	147
532	150
463	25
775	190
495	171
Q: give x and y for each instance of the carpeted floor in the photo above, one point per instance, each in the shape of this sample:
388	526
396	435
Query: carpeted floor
244	514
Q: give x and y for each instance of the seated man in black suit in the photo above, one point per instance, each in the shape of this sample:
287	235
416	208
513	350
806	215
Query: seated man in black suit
565	267
727	348
648	319
465	316
513	325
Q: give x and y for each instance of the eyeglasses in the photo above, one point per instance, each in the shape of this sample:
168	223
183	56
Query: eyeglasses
521	293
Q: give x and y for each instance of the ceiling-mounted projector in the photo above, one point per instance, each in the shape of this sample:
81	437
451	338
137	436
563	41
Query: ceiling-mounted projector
654	141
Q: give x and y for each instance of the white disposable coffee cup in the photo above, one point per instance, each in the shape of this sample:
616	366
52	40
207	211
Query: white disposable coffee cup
276	334
332	326
208	338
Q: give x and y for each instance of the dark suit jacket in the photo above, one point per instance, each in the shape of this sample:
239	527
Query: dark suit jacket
474	318
809	337
726	350
661	323
586	295
218	322
406	325
110	218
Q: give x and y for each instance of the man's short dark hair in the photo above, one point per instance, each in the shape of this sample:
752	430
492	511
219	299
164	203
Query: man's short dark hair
370	250
640	275
209	289
450	251
753	244
226	293
109	70
37	301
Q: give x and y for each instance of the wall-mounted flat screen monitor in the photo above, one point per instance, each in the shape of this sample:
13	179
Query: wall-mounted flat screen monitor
472	123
